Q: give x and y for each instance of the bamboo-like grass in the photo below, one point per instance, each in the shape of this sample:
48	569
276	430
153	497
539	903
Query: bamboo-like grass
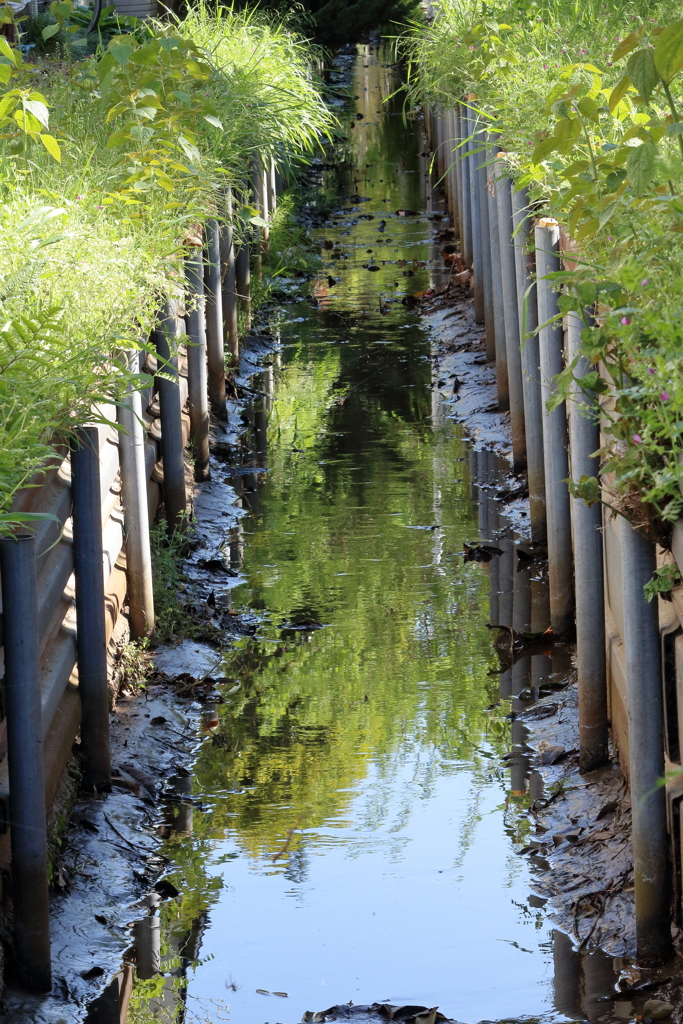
83	266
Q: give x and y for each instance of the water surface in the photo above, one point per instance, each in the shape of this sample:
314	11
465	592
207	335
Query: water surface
352	831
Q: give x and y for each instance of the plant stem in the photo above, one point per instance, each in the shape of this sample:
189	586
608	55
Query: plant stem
674	112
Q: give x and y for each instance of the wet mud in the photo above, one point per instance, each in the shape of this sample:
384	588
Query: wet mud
359	795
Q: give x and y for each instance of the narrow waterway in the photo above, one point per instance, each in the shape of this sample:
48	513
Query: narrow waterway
351	832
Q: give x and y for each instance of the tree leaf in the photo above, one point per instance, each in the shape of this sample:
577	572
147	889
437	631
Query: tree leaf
52	146
640	166
618	92
118	138
120	52
544	149
215	121
7	104
643	73
626	45
39	111
7	51
589	227
668	55
49	31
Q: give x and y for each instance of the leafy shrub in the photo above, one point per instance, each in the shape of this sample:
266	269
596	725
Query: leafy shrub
105	169
588	103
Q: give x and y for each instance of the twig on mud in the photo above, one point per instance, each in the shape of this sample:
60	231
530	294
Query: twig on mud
113	827
602	897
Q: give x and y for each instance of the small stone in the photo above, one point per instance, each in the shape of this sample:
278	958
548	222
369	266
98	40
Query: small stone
657	1009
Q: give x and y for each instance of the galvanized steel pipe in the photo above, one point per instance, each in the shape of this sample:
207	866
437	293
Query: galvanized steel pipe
511	313
466	208
531	373
28	833
196	364
481	182
452	157
215	351
477	269
584	441
132	439
497	289
91	636
166	340
646	749
555	441
229	285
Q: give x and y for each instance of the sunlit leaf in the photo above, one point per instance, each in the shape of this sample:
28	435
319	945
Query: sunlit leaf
52	146
640	166
668	54
643	73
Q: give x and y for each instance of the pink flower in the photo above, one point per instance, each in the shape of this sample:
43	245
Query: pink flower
637	439
625	321
643	282
664	396
650	371
79	197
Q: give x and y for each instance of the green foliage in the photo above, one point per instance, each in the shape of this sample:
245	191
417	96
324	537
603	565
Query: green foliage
588	103
104	172
664	579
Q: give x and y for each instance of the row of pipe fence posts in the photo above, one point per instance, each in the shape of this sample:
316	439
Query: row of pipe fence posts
217	284
511	251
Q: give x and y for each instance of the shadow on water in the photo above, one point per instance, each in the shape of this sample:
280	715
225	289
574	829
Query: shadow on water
350	829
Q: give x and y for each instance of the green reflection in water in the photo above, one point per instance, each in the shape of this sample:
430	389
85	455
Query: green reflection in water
356	527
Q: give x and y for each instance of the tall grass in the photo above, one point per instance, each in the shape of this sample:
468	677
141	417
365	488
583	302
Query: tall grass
84	261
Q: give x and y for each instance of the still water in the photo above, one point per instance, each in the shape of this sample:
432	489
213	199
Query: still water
351	832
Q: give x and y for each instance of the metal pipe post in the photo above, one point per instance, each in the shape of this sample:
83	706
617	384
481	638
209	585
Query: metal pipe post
481	182
438	149
272	193
460	180
136	511
229	287
555	442
265	208
511	313
215	352
531	374
196	364
497	289
28	832
166	341
466	227
91	635
452	157
477	269
584	441
646	749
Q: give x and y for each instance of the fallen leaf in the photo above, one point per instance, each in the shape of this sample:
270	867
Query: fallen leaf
551	754
657	1009
94	972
